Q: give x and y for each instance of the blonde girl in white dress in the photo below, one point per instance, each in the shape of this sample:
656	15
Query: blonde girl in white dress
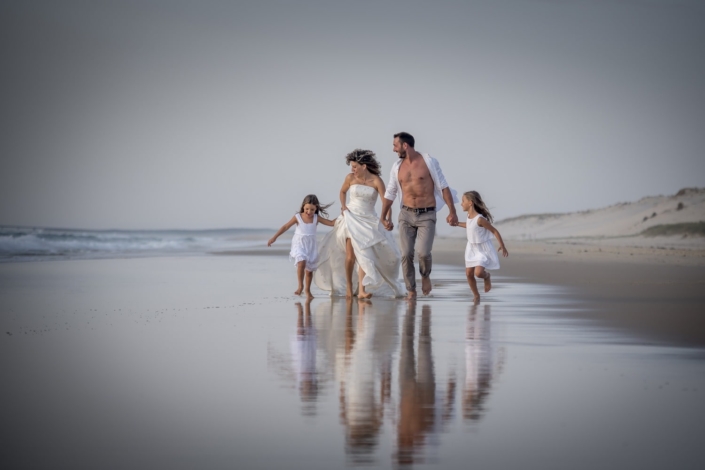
304	251
480	255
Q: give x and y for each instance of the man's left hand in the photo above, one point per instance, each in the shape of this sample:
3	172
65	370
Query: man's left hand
452	219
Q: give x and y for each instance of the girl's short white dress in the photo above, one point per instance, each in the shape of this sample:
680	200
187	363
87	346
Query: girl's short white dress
479	250
303	243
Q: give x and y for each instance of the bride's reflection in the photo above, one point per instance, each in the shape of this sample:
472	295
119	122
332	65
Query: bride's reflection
365	374
478	362
419	413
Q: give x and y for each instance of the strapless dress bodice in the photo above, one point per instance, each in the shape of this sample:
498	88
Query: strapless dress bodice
362	198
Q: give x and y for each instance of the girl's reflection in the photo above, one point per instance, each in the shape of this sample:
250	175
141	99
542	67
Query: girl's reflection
303	353
478	362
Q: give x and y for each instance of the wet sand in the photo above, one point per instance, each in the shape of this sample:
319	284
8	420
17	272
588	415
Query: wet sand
211	362
652	294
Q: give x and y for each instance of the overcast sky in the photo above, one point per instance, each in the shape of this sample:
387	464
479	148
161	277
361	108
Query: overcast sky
175	114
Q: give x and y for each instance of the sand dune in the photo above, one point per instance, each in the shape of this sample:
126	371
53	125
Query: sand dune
628	219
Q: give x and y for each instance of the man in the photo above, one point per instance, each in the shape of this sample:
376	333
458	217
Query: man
424	191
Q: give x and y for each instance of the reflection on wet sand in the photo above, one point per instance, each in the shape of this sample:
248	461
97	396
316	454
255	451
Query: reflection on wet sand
357	344
303	352
478	362
418	414
300	367
365	375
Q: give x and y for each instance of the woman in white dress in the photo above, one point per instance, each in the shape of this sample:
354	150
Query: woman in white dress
358	237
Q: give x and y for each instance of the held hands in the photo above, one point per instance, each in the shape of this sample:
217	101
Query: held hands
503	250
388	225
452	219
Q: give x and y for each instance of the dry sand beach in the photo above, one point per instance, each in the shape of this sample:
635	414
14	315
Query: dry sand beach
588	352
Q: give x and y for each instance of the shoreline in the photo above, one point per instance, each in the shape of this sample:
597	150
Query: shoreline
657	295
652	294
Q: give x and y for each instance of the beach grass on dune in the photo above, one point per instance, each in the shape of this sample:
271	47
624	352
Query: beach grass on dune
687	228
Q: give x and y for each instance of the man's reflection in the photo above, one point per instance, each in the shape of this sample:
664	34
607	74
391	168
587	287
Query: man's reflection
478	362
419	415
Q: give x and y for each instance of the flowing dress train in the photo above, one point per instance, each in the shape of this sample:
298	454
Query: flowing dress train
375	249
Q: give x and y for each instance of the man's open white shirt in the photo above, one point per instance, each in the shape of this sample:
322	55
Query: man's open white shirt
439	182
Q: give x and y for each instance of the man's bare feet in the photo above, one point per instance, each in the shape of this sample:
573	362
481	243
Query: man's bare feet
411	295
488	283
426	285
298	291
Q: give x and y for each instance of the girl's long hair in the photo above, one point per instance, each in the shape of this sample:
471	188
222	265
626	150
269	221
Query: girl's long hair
320	209
365	157
480	207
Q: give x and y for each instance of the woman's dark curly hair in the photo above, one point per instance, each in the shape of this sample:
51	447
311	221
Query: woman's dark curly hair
364	157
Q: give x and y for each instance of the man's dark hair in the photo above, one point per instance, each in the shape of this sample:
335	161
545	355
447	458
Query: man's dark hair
405	138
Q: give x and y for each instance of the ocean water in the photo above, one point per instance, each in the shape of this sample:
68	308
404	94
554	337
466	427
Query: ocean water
42	244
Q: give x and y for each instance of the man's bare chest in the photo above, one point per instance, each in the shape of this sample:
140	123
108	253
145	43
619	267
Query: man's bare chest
414	174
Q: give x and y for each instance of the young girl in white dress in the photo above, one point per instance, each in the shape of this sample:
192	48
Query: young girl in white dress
304	251
480	255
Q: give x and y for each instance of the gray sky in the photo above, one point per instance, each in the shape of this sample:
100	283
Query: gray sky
175	114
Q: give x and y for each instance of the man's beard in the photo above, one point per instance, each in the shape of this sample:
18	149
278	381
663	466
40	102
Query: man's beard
402	153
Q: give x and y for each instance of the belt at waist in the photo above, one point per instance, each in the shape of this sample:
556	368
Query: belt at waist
418	210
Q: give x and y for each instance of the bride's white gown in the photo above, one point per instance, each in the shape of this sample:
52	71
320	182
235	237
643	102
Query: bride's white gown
376	250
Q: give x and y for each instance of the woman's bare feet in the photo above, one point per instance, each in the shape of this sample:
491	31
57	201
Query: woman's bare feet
488	283
364	295
426	285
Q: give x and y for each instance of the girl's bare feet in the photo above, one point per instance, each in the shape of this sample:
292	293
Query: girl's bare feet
488	283
476	300
299	291
364	295
309	295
